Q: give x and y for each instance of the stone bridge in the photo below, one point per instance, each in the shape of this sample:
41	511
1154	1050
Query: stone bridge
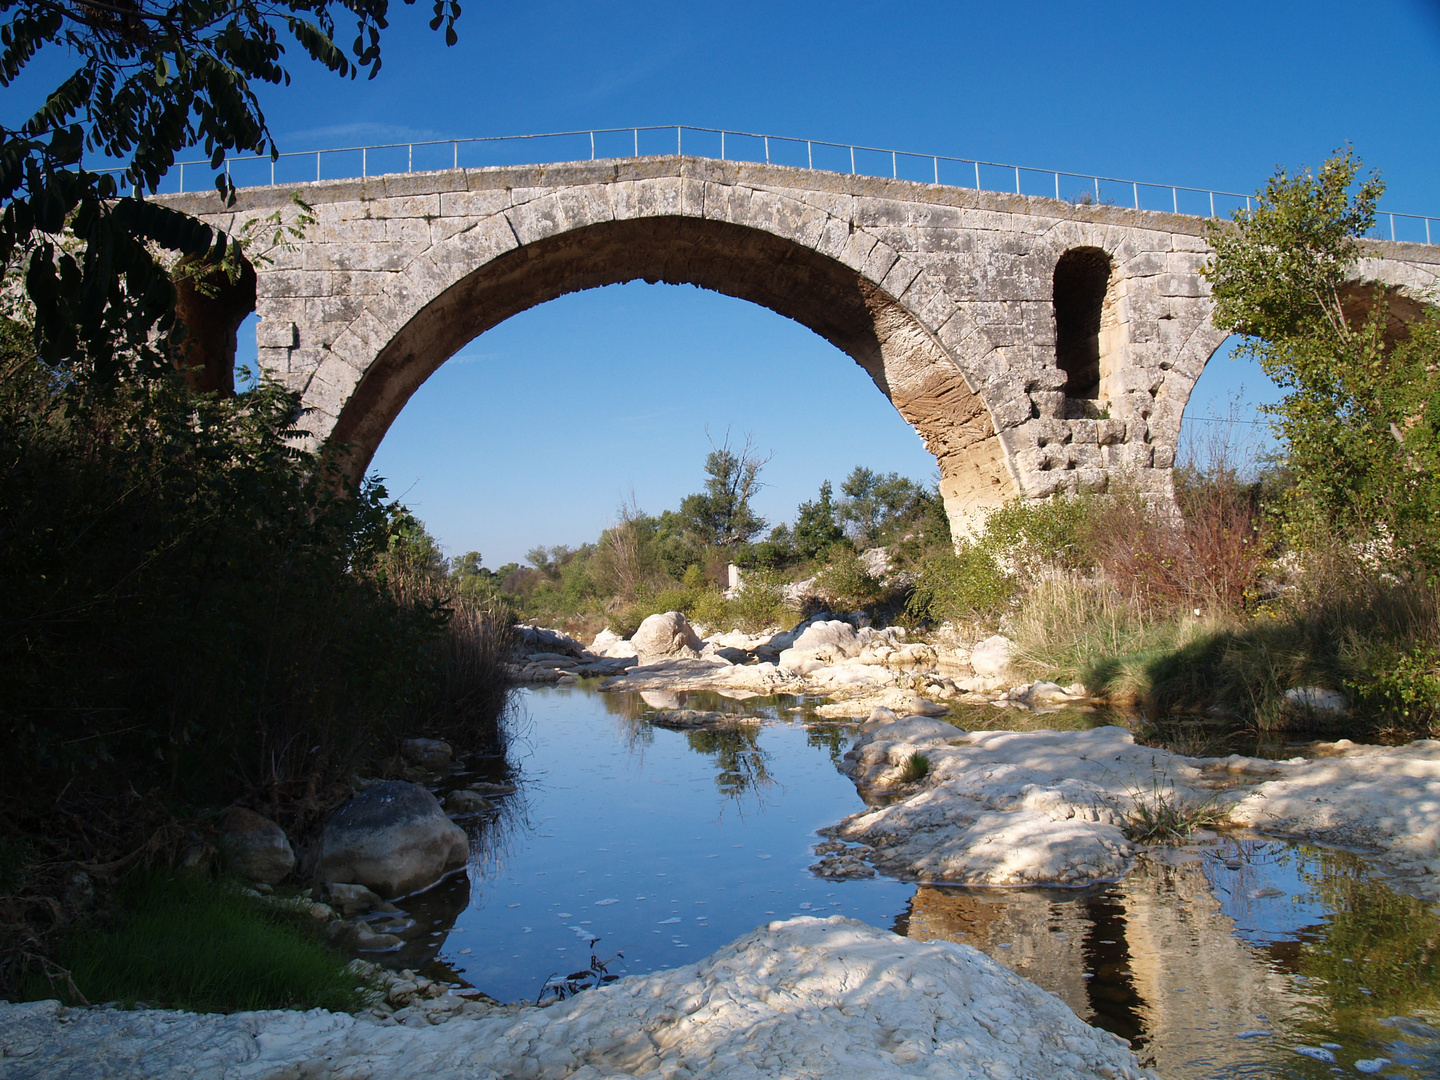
1037	346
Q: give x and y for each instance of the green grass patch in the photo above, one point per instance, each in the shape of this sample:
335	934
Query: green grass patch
185	941
915	767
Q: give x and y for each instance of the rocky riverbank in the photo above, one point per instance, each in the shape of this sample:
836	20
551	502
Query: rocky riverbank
817	998
1005	807
1058	807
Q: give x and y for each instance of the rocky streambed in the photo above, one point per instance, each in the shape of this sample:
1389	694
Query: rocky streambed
1220	957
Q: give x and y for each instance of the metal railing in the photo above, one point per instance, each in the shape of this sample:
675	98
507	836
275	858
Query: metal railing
566	146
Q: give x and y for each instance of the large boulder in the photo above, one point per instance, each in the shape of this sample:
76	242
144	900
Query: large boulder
827	642
544	639
665	635
991	658
255	847
393	838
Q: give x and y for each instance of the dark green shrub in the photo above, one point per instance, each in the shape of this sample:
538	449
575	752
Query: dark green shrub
959	586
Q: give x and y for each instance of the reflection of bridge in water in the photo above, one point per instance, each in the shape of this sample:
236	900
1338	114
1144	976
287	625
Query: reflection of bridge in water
1161	959
1038	345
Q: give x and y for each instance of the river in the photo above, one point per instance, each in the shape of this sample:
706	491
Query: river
1242	957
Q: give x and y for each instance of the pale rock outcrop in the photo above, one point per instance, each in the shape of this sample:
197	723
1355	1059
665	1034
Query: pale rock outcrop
991	658
393	838
805	999
255	847
664	636
900	701
822	642
1006	808
544	639
611	645
678	675
1316	699
1385	798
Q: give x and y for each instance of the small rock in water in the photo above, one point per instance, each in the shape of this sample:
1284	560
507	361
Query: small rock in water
1266	894
1411	1026
1258	1033
1371	1065
466	801
605	903
1318	1053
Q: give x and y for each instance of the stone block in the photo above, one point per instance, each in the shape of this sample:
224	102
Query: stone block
276	333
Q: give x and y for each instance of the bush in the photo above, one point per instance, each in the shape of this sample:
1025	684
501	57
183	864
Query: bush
845	583
188	594
960	586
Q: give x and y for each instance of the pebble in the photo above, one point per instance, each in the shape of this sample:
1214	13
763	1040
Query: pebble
1318	1053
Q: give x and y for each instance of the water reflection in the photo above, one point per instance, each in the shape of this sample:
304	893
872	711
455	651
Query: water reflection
1218	962
1215	961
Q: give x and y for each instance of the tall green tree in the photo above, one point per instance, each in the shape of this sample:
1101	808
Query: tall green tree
1360	420
815	525
151	78
874	503
721	515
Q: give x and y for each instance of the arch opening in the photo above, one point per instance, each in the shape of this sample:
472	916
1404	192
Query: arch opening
1085	322
900	355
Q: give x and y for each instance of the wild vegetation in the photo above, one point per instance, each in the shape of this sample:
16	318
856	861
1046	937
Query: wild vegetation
193	611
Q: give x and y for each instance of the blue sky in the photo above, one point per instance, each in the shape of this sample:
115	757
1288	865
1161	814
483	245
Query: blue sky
540	427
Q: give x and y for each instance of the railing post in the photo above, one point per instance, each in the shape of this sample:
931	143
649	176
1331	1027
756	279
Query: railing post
810	158
182	192
1427	227
677	142
977	176
1212	204
410	157
937	172
637	142
1057	187
1017	179
767	149
1175	199
894	167
1136	187
317	166
364	162
1392	226
457	153
852	161
722	146
1097	189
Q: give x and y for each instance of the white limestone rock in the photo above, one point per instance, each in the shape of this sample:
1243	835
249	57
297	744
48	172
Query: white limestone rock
991	658
804	999
665	635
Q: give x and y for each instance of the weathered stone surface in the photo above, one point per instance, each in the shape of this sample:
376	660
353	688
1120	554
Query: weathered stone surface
255	847
945	296
665	635
806	999
393	838
991	658
544	639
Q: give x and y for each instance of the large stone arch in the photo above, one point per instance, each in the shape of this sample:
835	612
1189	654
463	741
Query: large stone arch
838	302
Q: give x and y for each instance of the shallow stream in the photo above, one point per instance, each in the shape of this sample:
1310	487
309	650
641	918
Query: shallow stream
1215	961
